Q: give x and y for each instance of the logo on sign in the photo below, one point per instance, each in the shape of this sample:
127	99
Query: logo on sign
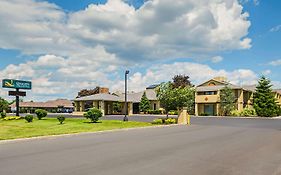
16	84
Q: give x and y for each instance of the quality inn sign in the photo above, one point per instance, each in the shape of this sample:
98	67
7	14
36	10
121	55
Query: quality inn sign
16	84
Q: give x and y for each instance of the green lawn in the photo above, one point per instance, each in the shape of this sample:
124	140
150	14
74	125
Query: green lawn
50	126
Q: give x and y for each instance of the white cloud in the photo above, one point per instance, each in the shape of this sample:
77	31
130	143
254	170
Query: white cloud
276	28
65	81
87	48
198	73
217	59
275	62
266	72
159	29
255	2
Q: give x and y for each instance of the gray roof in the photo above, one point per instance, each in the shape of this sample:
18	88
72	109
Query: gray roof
136	97
104	97
132	97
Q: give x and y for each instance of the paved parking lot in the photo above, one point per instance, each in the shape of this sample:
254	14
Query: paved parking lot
209	146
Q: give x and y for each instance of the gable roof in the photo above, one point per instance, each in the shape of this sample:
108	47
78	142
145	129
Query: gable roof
213	80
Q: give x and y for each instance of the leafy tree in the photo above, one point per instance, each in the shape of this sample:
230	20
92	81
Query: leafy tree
176	98
227	100
4	105
264	100
165	96
144	103
93	114
181	81
184	97
88	92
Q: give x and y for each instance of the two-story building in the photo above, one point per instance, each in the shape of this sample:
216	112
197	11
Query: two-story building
207	97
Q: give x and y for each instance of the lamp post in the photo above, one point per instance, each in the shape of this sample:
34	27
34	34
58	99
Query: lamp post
126	103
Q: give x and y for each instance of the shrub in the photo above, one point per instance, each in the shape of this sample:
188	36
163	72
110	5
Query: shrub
235	113
279	111
204	114
40	113
29	118
158	121
170	121
154	112
3	114
12	118
93	114
247	112
172	112
61	119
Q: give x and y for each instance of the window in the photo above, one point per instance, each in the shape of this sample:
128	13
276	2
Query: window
207	93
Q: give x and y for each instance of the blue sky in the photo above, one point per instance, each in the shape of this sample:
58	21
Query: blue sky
58	43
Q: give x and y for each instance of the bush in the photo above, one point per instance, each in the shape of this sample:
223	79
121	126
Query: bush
235	113
172	112
3	114
170	121
158	121
40	113
247	112
93	114
204	114
61	119
12	118
279	111
154	112
29	118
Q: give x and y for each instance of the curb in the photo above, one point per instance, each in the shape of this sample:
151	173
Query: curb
81	133
229	117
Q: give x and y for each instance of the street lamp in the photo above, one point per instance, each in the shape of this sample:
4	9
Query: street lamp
126	103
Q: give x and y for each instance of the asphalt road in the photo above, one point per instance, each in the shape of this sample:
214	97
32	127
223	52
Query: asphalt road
210	146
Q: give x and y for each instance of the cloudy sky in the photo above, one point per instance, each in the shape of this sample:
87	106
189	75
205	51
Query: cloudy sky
63	46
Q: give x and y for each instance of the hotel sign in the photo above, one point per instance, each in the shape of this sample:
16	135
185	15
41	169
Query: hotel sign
16	84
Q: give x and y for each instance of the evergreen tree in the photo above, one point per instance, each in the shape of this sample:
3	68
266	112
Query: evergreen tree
144	103
227	100
264	100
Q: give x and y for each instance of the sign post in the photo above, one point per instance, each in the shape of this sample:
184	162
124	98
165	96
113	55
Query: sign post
17	84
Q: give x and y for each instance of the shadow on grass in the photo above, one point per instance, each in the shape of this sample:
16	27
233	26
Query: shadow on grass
93	122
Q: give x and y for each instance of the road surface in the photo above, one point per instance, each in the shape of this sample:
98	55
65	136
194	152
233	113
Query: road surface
210	146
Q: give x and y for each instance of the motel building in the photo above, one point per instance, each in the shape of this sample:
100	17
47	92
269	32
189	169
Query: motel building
104	100
207	97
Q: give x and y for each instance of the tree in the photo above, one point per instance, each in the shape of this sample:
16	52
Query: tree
227	100
176	98
264	100
4	105
185	97
181	81
88	92
165	96
144	103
